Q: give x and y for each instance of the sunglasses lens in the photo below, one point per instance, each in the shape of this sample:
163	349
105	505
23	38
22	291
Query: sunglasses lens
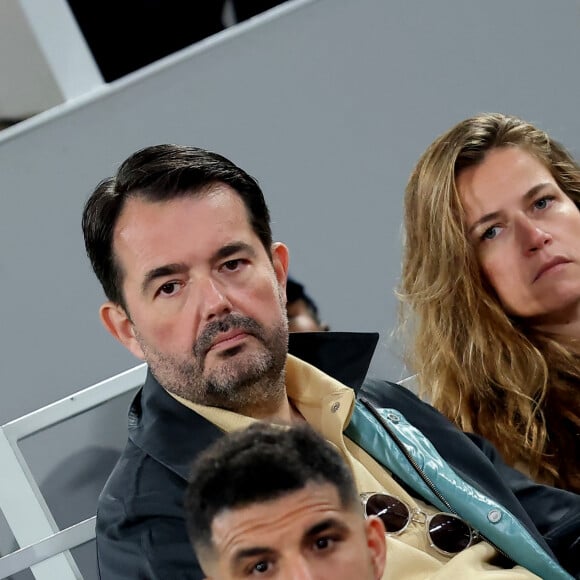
393	512
449	533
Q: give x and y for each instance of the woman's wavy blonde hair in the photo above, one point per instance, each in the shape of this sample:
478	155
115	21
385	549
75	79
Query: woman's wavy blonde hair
487	372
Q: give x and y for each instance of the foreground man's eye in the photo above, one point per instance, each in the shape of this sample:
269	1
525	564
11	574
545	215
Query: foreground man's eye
260	568
324	543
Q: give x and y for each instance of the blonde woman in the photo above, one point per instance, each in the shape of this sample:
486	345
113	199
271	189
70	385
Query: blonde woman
490	290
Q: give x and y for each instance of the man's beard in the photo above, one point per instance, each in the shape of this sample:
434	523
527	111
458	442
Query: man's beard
249	383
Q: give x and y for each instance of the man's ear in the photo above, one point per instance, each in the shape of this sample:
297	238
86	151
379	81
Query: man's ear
377	543
117	322
280	259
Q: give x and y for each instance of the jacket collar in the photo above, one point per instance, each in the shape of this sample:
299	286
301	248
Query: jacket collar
345	356
174	434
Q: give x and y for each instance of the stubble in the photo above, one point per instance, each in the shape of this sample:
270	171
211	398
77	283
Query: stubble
248	379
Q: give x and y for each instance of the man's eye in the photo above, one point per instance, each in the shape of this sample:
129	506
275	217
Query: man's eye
169	288
261	567
232	265
323	543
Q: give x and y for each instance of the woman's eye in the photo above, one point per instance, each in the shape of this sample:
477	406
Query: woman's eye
543	202
490	233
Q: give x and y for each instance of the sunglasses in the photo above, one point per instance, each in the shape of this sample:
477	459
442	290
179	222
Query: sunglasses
447	533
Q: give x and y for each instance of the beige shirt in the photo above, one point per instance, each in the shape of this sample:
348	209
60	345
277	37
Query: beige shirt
327	405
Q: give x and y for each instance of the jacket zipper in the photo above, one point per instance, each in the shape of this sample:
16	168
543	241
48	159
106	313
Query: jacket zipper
421	473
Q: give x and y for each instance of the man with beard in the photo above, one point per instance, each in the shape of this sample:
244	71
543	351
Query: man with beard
180	240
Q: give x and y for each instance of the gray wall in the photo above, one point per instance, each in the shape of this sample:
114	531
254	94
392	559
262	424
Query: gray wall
328	103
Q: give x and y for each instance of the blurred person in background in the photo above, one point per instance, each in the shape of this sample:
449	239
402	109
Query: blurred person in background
302	310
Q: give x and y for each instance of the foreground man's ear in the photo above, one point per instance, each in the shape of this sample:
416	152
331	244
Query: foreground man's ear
377	543
119	325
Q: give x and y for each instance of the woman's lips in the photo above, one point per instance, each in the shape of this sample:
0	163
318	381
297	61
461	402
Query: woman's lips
550	265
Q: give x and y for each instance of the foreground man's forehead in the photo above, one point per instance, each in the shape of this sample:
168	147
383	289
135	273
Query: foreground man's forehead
299	512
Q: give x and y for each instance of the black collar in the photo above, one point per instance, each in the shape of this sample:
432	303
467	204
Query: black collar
345	356
173	434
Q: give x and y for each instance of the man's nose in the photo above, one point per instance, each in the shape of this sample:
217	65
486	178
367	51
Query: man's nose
214	300
299	569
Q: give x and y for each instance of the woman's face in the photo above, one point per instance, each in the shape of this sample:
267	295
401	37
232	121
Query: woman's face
526	232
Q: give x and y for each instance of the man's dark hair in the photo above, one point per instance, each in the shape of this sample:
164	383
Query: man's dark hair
161	173
261	463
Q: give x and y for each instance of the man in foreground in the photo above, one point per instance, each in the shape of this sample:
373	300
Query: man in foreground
280	502
180	239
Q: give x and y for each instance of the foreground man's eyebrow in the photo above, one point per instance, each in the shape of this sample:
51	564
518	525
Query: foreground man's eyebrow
329	523
241	555
325	525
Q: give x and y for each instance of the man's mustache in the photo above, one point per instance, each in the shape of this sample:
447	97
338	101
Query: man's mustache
224	324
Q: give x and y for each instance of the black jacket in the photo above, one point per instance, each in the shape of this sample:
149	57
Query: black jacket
140	520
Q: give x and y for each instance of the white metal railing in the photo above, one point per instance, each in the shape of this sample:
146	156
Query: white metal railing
45	548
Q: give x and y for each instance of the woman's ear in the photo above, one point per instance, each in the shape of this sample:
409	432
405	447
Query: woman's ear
117	322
